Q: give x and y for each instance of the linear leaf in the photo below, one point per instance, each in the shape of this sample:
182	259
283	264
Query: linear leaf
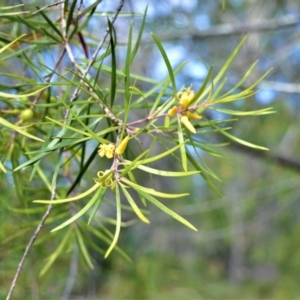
201	90
11	43
69	127
234	138
139	37
133	205
55	254
17	96
167	62
113	77
182	146
168	211
151	191
83	248
165	173
97	205
18	129
263	111
226	65
118	224
81	212
2	167
157	157
80	196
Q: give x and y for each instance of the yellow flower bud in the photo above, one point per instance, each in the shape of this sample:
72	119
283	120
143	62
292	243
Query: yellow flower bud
185	121
193	116
122	146
173	111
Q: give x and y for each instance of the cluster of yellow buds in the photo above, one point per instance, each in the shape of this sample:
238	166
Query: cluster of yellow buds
107	150
185	100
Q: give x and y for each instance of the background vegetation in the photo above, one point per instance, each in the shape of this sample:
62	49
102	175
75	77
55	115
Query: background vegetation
248	238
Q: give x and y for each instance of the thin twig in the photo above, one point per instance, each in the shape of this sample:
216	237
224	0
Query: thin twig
66	39
47	6
32	239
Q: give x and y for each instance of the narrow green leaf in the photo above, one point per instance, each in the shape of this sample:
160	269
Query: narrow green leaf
139	37
83	248
101	140
71	15
18	129
163	173
56	253
80	196
263	111
151	191
237	139
157	157
11	43
223	5
182	146
17	96
132	164
133	205
2	167
113	78
69	127
103	237
235	97
260	79
13	13
201	90
118	224
127	73
81	212
10	7
167	121
168	211
51	24
203	174
226	65
167	62
243	79
132	178
97	205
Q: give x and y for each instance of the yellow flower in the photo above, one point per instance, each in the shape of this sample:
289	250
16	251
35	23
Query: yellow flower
185	121
107	150
193	116
186	97
102	151
173	111
122	146
110	150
